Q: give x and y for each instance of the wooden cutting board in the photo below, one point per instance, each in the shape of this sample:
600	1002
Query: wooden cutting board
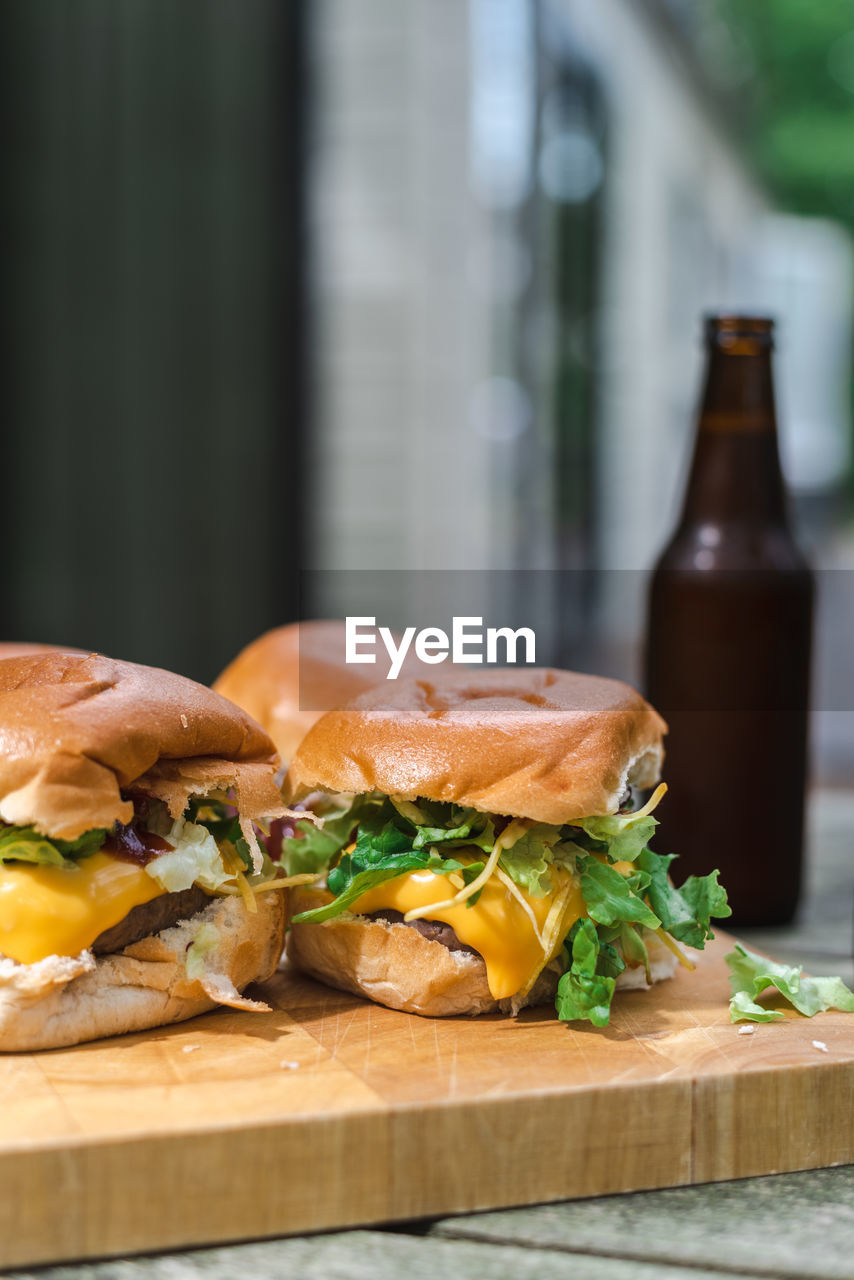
331	1112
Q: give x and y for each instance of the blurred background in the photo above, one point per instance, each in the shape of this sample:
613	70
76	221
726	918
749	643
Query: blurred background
368	285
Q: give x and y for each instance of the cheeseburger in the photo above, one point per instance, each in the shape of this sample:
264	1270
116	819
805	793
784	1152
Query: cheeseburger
484	853
288	677
133	888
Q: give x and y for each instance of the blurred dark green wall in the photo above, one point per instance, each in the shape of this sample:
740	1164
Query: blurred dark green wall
152	350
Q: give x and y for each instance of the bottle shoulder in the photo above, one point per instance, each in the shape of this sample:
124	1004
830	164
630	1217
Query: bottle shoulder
709	546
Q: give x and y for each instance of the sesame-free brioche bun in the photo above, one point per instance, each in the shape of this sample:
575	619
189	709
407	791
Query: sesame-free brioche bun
78	729
287	678
397	966
66	1000
530	743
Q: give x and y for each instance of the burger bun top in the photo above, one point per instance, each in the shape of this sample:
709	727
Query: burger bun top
533	743
78	730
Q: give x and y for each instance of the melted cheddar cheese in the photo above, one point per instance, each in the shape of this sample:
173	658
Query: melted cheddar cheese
497	926
60	911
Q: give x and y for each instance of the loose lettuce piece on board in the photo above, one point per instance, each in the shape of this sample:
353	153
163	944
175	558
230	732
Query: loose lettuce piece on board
751	974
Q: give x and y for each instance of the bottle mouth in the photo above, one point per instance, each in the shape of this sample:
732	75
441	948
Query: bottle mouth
739	334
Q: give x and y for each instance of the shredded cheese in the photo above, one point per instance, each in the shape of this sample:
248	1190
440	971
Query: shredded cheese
246	893
513	888
657	795
281	882
677	951
557	926
511	833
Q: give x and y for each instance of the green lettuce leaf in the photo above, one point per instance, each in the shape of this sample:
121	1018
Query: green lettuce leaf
583	992
613	898
449	823
385	848
24	844
623	835
743	1009
355	875
529	860
751	974
685	913
410	826
634	949
610	963
311	852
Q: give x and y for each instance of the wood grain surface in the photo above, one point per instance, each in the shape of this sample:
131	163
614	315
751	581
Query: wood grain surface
334	1112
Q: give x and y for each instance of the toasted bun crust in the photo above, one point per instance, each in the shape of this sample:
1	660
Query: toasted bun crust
75	729
531	743
398	967
287	678
67	1000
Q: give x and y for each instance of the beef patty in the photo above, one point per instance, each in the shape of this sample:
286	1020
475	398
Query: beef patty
151	917
433	930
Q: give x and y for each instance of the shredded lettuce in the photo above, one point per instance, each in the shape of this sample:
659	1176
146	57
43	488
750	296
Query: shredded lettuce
312	851
751	974
529	861
382	852
223	825
208	833
633	948
394	836
587	987
612	897
195	859
407	826
25	844
622	836
685	913
463	826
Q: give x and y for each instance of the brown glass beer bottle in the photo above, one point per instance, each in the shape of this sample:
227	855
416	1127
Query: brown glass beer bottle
728	644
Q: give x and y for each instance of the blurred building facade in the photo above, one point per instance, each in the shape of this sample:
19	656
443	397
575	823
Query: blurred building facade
368	285
520	212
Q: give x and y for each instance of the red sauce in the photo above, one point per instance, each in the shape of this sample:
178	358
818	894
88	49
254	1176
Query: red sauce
135	844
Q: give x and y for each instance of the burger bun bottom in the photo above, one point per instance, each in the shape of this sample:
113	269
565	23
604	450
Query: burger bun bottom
66	1000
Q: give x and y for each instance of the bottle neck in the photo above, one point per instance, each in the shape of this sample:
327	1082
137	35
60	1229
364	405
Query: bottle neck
735	471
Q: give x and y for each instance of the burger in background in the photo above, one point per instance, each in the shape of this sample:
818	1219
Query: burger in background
288	678
24	648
